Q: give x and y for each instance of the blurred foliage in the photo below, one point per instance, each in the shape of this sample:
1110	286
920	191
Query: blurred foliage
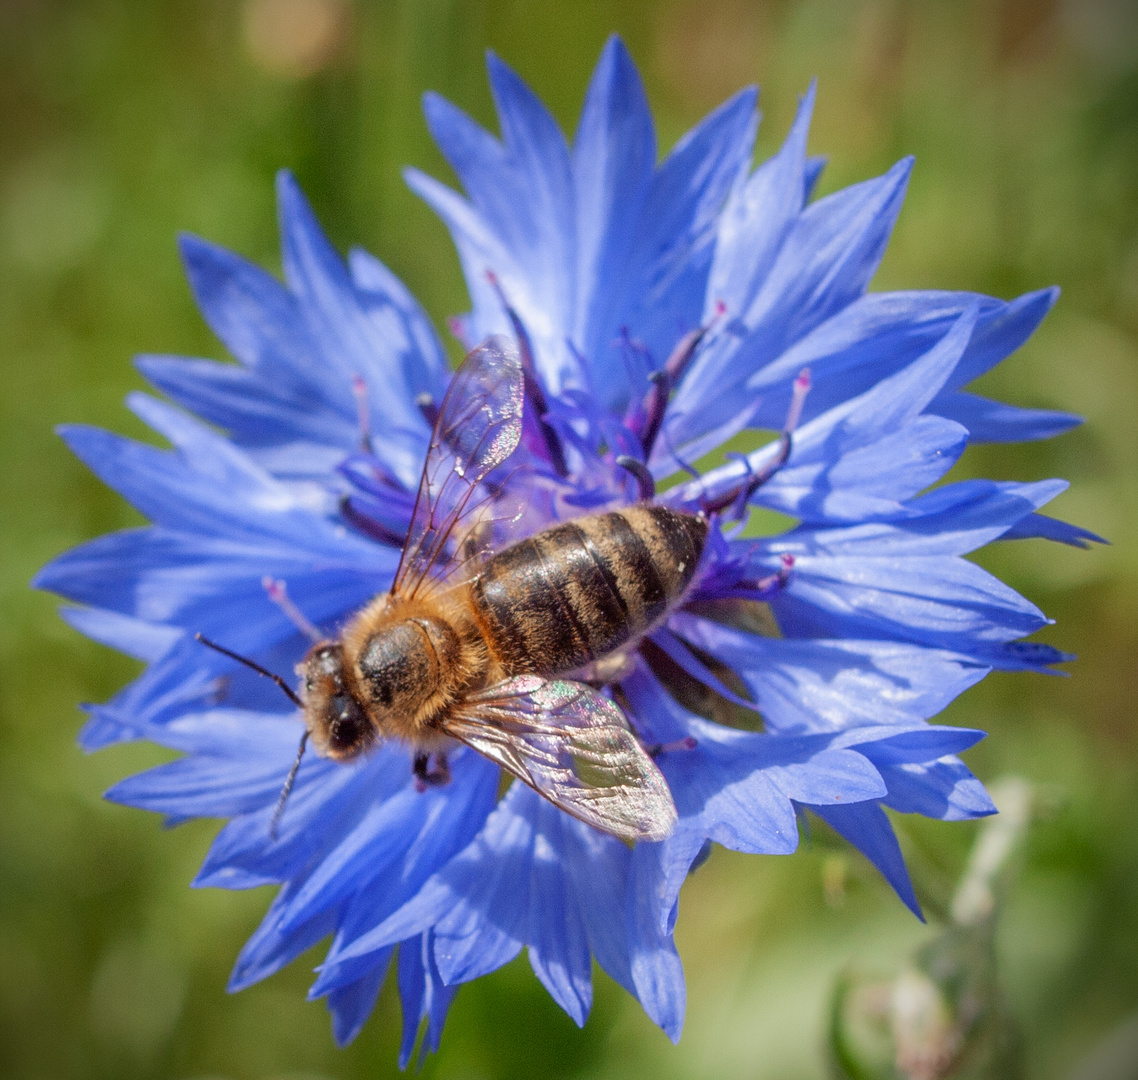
126	122
944	1016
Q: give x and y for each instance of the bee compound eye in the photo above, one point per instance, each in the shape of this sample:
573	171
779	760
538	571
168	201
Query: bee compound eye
349	730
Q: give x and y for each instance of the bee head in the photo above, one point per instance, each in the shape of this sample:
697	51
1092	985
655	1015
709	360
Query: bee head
337	723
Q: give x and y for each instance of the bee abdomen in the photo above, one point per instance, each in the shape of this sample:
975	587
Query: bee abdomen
571	594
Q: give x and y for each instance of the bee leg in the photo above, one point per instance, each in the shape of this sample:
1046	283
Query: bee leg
441	775
425	776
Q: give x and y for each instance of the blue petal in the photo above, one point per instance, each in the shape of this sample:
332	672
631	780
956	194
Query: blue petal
459	812
657	972
614	157
739	788
945	603
871	481
270	949
382	295
202	787
1048	528
484	925
257	414
881	333
823	265
351	1005
163	692
251	312
137	637
753	225
482	252
353	341
917	744
364	852
244	854
209	487
558	941
952	520
544	222
523	881
829	256
819	445
492	870
598	866
943	789
803	685
178	579
813	172
422	828
993	421
881	410
1001	336
662	294
424	996
866	827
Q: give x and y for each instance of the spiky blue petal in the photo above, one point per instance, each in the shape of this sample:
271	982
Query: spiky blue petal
669	306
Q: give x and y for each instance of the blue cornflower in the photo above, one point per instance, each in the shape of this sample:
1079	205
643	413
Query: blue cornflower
658	310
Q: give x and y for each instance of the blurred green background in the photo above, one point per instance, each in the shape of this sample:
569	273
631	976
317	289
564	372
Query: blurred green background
121	124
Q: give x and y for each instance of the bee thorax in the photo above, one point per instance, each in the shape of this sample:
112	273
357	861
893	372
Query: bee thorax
406	668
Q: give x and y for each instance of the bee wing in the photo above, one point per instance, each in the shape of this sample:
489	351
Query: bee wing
573	746
478	427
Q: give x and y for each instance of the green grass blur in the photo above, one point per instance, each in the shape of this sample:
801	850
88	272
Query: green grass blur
123	123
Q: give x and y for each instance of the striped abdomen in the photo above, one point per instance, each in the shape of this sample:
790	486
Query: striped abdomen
572	594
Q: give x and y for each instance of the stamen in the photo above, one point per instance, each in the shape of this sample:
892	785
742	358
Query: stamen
533	388
655	404
644	479
363	412
656	749
674	455
645	418
428	408
457	326
763	589
772	583
741	494
278	593
739	506
797	400
635	354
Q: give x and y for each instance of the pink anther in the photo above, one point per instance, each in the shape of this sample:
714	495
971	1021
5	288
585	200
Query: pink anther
797	400
457	326
278	594
686	743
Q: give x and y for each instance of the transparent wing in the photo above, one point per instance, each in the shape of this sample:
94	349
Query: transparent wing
477	429
571	745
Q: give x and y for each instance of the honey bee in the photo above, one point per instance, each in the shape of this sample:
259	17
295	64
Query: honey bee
490	649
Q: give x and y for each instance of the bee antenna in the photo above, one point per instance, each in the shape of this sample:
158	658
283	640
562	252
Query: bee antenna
288	690
278	813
